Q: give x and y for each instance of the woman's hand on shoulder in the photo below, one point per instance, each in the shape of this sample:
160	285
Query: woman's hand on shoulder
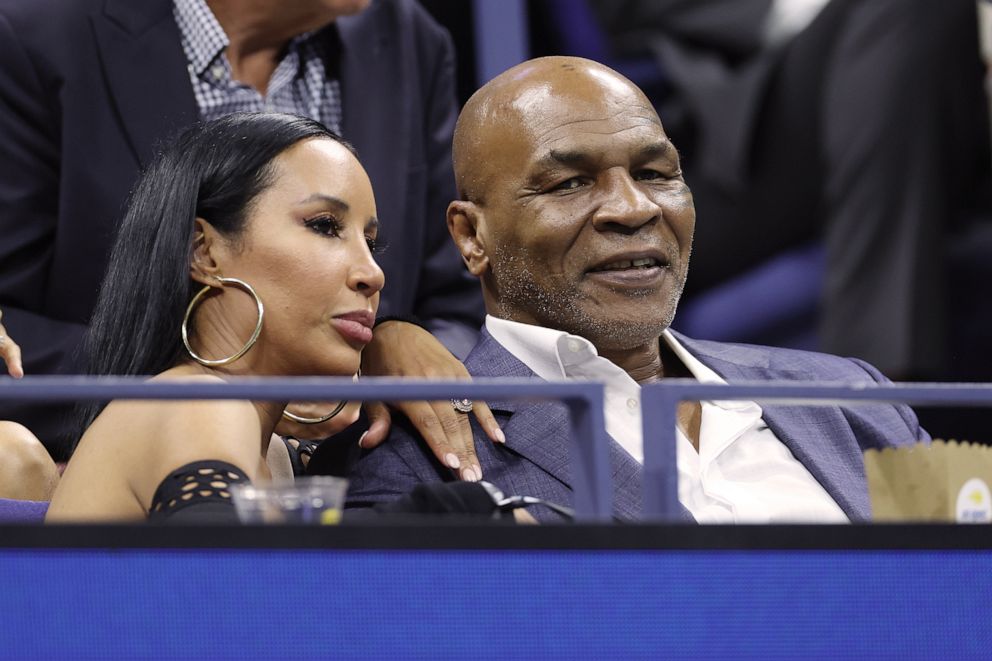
401	349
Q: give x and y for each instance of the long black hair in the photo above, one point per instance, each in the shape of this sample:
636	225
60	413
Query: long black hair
214	170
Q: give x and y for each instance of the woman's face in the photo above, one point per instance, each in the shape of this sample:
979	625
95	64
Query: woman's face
307	252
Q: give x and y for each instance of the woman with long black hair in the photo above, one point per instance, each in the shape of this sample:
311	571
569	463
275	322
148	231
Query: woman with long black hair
246	250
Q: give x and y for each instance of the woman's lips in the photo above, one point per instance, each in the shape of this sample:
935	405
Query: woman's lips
356	326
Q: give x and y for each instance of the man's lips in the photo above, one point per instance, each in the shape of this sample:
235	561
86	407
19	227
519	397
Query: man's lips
355	325
631	261
631	270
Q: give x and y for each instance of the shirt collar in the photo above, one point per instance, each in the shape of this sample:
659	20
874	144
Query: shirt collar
701	372
202	37
535	346
704	374
204	40
555	355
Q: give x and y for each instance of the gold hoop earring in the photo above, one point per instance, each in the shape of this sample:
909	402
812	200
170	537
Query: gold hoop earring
324	418
248	345
315	421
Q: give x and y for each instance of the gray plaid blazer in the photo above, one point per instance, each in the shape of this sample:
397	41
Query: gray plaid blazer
828	440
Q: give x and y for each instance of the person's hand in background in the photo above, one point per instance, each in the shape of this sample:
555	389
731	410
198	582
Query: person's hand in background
10	353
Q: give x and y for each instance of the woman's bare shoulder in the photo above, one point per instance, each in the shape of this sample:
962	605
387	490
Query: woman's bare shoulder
153	419
183	428
135	444
171	433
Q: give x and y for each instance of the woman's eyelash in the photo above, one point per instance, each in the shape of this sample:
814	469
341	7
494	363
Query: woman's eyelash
326	225
376	246
330	226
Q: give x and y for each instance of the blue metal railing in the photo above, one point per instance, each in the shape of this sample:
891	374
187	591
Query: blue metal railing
660	401
584	400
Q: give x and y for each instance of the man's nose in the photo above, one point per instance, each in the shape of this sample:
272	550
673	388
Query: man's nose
365	276
626	206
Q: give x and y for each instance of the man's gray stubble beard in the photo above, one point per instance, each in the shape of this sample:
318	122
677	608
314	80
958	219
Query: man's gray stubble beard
517	291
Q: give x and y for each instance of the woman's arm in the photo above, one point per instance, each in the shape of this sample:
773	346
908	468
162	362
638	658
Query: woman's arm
134	446
403	349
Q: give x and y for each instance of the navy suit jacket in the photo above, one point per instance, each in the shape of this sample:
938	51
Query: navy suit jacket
828	440
87	89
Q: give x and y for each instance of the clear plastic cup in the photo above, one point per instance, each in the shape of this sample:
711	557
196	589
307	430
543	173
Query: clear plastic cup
316	500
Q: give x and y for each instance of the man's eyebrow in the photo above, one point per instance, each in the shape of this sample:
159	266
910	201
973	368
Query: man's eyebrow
659	149
336	202
578	157
567	157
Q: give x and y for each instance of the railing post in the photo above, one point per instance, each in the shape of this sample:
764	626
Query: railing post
660	489
592	481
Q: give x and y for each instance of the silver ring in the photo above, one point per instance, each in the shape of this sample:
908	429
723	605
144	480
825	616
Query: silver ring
3	338
462	405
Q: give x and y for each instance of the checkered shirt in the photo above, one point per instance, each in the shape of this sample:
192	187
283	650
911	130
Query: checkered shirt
299	86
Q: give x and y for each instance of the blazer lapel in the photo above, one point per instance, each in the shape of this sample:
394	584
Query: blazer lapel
536	430
539	431
818	436
146	71
627	478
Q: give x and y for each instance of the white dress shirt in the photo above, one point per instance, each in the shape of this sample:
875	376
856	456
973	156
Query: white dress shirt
742	472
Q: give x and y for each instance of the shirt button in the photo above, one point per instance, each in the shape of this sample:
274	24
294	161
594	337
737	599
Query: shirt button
574	346
632	403
218	72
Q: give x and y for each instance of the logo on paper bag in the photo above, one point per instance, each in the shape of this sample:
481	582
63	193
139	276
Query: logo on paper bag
974	502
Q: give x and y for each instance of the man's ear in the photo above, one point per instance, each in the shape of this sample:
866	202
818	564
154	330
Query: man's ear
204	267
466	226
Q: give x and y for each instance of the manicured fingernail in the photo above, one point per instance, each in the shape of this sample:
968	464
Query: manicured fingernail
362	438
498	433
478	471
469	475
452	461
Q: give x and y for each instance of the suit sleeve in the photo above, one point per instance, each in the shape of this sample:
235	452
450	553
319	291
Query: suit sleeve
29	199
905	412
448	300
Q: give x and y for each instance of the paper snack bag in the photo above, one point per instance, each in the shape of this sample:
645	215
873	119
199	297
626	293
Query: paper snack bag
939	482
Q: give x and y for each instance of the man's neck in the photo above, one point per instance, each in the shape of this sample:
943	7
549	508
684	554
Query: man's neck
649	362
258	33
643	363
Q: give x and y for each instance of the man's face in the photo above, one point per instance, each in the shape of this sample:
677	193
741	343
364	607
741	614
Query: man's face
587	220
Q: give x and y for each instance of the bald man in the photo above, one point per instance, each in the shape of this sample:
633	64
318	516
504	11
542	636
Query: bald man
575	217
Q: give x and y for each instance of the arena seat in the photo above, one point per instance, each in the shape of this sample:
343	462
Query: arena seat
22	511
